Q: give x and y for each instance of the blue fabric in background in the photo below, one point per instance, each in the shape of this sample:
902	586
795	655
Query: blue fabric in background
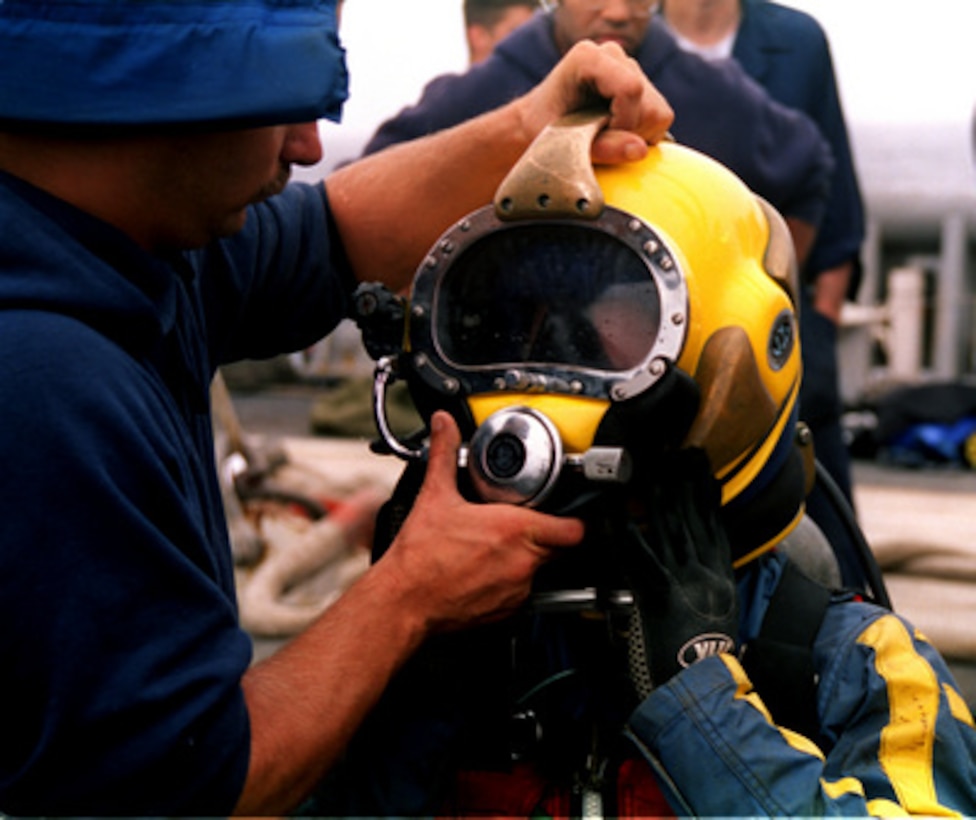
252	62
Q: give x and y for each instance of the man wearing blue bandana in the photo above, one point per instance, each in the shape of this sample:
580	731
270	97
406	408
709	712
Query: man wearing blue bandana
149	237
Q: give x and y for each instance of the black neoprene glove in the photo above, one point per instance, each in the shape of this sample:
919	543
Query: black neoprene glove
679	565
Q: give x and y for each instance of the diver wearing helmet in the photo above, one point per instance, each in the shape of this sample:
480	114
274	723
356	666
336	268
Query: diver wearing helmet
773	144
623	348
149	236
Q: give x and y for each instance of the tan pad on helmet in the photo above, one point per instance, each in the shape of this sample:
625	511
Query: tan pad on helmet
736	408
554	177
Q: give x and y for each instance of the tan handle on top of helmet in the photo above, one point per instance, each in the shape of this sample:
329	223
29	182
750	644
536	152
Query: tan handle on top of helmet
554	177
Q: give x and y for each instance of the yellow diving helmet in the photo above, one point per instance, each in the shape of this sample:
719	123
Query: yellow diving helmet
591	318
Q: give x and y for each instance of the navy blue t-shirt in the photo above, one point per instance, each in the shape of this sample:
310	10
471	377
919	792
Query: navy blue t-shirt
122	649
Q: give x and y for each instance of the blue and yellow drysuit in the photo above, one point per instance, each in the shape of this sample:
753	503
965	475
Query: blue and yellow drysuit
899	738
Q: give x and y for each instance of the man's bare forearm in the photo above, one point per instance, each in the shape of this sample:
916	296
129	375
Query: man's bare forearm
306	701
391	206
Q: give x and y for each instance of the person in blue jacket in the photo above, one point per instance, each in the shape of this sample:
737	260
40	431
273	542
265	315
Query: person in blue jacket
149	236
682	660
787	52
719	110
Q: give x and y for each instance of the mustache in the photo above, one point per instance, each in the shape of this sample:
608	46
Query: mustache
276	185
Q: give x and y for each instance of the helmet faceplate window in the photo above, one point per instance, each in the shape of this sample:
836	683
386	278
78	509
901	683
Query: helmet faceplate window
560	306
547	294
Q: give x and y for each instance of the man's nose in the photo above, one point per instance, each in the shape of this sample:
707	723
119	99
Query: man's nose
302	145
618	10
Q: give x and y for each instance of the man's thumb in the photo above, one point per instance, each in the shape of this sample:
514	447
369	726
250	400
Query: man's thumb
445	439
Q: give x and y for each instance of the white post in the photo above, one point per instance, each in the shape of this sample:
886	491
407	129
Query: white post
950	298
906	308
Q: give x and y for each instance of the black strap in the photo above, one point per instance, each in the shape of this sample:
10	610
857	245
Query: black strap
780	661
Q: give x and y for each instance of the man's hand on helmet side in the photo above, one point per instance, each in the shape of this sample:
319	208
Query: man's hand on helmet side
453	564
459	563
680	567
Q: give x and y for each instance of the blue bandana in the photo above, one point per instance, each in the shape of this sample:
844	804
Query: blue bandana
154	62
